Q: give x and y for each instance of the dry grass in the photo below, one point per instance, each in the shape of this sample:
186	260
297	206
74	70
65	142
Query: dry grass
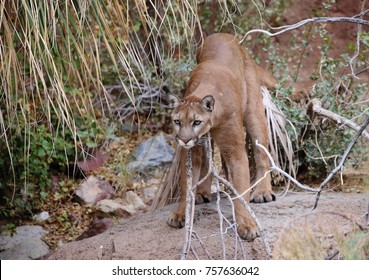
322	235
58	59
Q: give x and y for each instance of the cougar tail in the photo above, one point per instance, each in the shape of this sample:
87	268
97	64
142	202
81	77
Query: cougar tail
169	191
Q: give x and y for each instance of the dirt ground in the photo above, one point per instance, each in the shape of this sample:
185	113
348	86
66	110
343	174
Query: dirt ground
147	236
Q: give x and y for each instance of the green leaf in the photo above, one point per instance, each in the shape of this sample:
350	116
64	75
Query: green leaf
41	153
91	144
43	195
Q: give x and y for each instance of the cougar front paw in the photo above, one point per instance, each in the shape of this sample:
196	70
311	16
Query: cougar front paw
201	198
176	219
247	228
261	196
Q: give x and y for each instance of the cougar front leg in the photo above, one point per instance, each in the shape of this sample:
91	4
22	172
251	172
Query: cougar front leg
234	155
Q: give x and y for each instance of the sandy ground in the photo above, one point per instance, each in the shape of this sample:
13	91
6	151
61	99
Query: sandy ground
147	236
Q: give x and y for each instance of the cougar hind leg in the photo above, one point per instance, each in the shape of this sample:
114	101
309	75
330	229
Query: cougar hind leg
256	128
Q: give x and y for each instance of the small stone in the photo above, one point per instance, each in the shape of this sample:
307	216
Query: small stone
151	153
149	193
128	206
114	207
43	216
133	200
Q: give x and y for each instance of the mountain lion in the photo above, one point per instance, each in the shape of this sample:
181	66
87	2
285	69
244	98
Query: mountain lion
223	98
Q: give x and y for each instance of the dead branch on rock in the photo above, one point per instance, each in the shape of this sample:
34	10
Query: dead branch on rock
275	168
341	163
315	107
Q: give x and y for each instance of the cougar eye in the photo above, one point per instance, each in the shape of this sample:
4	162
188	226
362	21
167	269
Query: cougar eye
197	122
177	122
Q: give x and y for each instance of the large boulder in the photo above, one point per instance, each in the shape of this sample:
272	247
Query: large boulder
25	244
151	153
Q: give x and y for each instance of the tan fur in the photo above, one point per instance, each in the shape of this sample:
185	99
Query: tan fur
223	97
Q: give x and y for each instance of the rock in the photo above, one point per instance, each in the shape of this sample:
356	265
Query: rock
97	159
151	153
114	207
130	205
149	193
134	202
43	216
94	189
25	244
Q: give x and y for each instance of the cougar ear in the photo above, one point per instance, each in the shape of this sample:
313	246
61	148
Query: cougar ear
208	103
173	101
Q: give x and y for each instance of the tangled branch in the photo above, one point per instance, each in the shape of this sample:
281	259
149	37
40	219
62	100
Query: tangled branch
190	204
341	163
360	131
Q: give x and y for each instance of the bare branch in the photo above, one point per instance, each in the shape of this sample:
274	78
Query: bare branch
286	28
357	52
315	107
274	167
197	237
361	71
190	206
344	157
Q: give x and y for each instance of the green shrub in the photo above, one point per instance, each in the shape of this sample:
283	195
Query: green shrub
320	142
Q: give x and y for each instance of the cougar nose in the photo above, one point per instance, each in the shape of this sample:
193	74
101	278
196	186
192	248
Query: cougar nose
186	140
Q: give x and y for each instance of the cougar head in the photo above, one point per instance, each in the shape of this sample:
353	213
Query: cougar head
191	118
